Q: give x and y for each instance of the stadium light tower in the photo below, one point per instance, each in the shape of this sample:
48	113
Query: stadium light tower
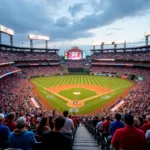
108	43
119	42
32	37
146	34
97	44
7	31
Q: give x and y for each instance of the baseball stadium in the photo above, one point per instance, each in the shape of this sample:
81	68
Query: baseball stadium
73	98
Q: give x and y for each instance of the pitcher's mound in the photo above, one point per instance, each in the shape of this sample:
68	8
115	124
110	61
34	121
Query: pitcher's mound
76	93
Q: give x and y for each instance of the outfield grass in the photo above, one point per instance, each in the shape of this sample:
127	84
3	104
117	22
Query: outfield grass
116	84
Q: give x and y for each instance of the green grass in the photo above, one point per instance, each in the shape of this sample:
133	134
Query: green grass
116	84
83	93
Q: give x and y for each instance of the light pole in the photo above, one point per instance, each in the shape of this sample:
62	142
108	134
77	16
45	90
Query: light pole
22	44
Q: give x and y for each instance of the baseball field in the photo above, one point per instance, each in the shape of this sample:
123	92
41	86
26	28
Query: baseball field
82	94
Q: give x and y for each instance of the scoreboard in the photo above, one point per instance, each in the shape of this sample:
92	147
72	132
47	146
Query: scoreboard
74	55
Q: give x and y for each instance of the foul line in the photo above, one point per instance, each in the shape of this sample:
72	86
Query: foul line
96	101
59	102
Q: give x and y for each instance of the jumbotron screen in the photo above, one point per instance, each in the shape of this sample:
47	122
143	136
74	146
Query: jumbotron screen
74	55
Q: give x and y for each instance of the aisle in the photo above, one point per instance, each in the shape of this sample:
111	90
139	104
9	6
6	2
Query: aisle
84	140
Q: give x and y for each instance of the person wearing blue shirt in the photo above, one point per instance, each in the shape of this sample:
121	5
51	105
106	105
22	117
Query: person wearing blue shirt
116	124
4	132
21	137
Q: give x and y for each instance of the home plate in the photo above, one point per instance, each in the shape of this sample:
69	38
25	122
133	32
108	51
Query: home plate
76	93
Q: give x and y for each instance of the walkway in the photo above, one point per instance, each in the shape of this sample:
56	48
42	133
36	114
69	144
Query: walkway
84	140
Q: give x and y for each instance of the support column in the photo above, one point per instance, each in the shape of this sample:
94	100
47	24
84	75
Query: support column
146	40
0	38
31	43
11	40
94	47
115	46
125	45
46	44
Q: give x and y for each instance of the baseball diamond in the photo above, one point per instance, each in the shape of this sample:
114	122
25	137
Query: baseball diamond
87	93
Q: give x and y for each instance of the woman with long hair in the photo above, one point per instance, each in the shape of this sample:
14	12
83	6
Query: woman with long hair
42	126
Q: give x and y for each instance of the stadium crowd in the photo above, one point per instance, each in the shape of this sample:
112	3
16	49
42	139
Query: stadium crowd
56	131
120	70
11	56
15	94
137	56
37	71
75	64
6	69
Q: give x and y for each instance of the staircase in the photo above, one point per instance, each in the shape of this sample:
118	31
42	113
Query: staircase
83	140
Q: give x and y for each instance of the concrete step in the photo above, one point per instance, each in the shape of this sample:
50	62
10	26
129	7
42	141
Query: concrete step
84	140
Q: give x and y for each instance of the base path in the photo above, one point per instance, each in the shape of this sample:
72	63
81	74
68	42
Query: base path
99	90
95	88
84	140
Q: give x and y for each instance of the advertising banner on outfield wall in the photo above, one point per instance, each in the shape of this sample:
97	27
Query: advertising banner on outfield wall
124	77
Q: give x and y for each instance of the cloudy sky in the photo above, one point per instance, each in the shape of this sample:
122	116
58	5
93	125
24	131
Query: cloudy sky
76	22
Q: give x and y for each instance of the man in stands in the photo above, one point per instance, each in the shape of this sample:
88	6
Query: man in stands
146	126
75	121
21	137
106	125
55	140
95	121
69	125
129	137
10	121
116	124
99	125
4	132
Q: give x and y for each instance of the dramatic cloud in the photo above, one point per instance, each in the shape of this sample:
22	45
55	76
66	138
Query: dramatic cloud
58	18
115	29
76	8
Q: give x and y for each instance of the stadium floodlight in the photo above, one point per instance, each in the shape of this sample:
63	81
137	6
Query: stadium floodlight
120	42
147	33
6	30
108	43
38	37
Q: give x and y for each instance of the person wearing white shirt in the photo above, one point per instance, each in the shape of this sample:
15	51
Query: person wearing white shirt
69	125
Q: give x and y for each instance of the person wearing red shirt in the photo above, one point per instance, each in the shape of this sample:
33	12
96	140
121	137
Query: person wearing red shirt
129	137
106	125
10	121
75	120
146	126
144	119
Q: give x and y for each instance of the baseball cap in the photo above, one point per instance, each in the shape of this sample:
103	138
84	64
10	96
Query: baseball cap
21	121
1	116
